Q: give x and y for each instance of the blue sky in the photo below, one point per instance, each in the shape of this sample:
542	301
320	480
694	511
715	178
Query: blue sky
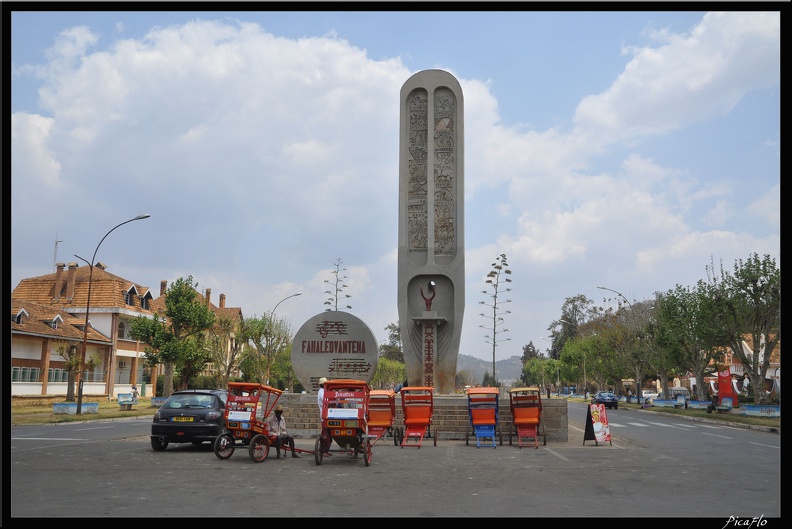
620	149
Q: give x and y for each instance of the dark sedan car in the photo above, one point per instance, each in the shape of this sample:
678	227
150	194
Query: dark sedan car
189	416
607	398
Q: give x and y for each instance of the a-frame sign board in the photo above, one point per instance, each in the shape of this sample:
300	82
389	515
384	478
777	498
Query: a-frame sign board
597	428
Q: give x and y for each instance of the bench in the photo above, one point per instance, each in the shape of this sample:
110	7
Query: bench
725	405
126	401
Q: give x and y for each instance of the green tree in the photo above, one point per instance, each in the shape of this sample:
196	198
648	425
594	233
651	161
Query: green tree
748	302
388	373
576	312
630	333
175	337
393	349
224	348
694	339
266	340
529	352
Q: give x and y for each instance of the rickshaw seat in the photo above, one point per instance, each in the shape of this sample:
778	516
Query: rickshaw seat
418	416
482	416
526	416
379	417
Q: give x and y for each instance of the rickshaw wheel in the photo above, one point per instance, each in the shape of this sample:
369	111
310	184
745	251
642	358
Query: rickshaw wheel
259	448
500	435
318	451
224	446
396	437
435	437
467	435
544	436
367	451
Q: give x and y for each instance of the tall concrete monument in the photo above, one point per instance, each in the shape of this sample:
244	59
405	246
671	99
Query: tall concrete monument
431	280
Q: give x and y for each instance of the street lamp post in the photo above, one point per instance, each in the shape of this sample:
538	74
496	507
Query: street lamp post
80	377
269	346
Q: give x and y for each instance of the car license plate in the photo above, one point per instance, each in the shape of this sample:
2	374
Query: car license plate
182	419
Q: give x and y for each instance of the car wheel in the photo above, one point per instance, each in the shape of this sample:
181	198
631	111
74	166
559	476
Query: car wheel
616	407
159	444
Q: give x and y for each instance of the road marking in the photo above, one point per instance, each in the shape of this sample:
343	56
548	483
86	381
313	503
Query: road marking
716	435
559	456
45	439
666	425
766	446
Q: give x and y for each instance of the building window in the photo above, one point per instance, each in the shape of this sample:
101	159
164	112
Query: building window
121	330
54	324
14	374
144	303
127	298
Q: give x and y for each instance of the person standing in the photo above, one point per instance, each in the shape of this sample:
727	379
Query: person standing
277	427
320	401
320	395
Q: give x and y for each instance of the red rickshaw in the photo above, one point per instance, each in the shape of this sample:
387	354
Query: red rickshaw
247	408
344	420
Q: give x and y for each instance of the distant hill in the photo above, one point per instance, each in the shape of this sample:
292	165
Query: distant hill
505	370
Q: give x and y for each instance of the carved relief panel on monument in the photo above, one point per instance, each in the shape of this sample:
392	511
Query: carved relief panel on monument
444	173
418	145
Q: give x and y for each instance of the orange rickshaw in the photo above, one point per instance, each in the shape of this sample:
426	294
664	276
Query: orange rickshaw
382	414
526	410
417	408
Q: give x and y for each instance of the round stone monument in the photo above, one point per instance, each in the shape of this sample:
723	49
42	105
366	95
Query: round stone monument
334	344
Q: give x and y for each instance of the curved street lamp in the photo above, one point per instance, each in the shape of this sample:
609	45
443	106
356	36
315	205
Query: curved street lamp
269	345
80	377
618	294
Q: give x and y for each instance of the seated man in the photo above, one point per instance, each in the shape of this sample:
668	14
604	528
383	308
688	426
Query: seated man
277	427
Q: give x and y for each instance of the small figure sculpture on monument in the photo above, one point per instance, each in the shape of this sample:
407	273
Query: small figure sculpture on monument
428	301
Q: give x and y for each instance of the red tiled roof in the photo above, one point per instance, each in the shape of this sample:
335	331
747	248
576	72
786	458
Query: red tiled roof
39	323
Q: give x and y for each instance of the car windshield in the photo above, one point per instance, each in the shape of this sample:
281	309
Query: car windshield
607	395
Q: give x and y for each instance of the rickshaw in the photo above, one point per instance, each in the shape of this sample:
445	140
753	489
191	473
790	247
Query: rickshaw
247	408
483	410
526	411
382	413
344	420
417	408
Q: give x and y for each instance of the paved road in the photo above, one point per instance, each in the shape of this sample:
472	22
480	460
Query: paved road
110	470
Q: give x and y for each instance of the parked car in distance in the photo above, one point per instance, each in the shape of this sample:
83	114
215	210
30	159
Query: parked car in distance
647	394
607	398
189	416
576	396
